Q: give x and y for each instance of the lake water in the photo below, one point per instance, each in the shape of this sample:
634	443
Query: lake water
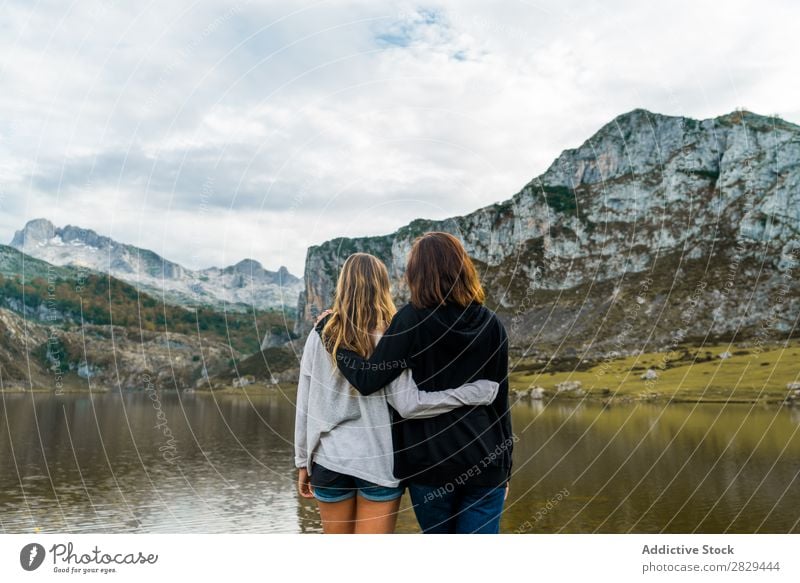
92	463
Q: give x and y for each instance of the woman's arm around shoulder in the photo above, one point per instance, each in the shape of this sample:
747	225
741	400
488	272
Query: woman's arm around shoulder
410	402
390	358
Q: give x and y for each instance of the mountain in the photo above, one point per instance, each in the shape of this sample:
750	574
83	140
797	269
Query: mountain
33	353
65	326
13	262
235	287
655	231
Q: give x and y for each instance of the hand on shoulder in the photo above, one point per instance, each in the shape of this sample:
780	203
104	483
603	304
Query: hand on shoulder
322	316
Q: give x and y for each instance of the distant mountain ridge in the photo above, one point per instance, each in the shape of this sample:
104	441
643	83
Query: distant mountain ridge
64	323
244	284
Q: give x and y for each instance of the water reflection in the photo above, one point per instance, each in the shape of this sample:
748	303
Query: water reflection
657	468
80	463
84	463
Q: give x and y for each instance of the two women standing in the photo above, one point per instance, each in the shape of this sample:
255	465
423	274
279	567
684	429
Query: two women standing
433	412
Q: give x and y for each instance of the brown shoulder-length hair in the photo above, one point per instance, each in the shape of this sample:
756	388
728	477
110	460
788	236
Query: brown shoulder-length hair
439	271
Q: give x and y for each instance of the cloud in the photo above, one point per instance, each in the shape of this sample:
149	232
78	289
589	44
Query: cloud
211	131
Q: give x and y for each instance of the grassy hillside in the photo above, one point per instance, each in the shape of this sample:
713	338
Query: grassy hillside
750	373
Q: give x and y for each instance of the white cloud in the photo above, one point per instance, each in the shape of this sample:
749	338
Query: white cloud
341	118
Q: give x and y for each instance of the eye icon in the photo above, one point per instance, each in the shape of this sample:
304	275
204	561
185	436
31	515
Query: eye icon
31	556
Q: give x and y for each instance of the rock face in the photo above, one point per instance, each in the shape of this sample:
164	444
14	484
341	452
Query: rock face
245	284
649	375
568	386
657	228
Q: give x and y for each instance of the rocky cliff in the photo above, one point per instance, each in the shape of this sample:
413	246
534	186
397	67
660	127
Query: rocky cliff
656	230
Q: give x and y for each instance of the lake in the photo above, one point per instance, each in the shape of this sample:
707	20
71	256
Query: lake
97	463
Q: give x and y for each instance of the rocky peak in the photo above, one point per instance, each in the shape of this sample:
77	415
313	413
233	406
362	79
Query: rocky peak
73	234
635	143
36	231
247	266
285	277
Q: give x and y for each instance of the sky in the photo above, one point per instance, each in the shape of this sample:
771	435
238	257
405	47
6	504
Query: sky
214	131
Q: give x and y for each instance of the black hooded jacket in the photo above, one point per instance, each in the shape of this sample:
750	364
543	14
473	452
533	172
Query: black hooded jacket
445	347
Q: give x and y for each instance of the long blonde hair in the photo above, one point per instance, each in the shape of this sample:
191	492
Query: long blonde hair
363	304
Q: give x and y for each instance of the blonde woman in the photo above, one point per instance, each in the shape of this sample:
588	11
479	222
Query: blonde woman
343	441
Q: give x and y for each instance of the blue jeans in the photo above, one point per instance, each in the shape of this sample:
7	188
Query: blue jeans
461	510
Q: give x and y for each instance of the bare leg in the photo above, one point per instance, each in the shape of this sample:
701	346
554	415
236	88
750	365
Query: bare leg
338	517
376	517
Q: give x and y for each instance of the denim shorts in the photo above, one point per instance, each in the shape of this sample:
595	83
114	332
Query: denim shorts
330	486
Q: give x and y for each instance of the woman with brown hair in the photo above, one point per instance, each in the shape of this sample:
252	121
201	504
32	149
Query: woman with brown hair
456	465
343	442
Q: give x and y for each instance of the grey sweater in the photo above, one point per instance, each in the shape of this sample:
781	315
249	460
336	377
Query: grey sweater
351	434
